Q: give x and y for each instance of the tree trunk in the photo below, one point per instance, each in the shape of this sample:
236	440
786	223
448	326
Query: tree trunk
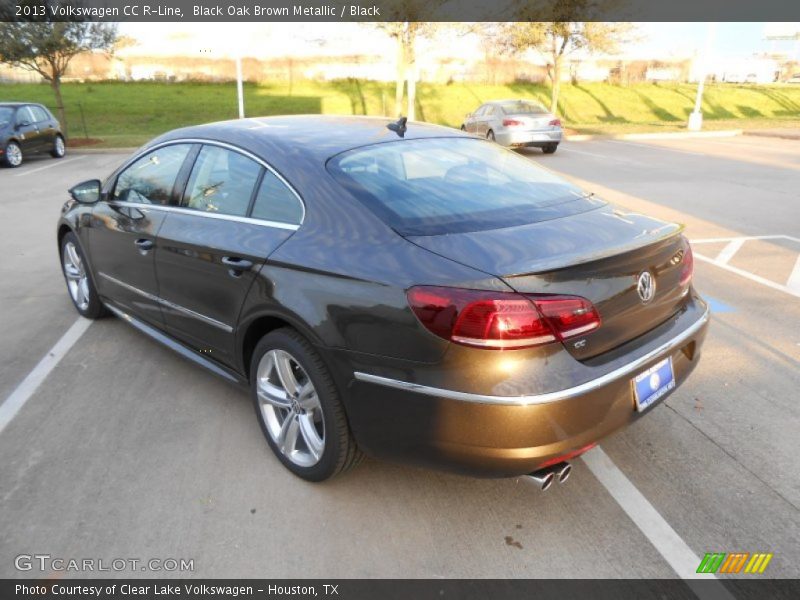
556	85
401	76
55	83
411	73
412	93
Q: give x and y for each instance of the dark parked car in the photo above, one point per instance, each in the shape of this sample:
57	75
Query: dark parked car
418	294
27	129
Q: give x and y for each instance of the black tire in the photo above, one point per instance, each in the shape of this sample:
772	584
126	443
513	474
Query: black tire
59	150
340	452
490	135
14	148
550	148
94	308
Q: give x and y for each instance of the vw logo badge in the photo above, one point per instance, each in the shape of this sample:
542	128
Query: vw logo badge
646	286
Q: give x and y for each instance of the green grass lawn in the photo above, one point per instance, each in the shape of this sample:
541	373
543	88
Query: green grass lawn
128	114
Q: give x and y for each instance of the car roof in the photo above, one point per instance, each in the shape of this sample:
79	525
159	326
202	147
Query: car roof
310	136
15	104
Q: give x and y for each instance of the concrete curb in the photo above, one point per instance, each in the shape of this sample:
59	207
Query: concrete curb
656	136
785	135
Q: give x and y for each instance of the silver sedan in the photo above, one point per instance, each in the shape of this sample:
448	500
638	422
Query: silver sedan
516	123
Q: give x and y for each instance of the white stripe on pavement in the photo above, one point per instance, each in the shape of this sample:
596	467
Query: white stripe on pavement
794	279
649	521
11	406
751	276
726	254
52	164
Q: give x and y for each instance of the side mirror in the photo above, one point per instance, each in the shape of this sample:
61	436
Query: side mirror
87	192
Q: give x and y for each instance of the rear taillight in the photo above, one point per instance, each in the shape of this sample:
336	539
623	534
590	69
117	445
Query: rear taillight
688	266
501	320
555	123
512	123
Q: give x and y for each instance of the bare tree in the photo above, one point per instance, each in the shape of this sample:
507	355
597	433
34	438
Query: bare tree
554	29
47	48
405	34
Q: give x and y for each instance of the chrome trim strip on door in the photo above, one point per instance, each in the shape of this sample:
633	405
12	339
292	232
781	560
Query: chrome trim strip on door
556	396
198	213
168	304
247	153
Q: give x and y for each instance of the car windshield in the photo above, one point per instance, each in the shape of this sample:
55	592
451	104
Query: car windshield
454	185
6	115
523	108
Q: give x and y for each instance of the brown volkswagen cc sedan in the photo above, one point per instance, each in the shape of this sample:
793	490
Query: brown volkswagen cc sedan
403	290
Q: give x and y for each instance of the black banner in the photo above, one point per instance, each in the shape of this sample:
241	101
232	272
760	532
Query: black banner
399	589
399	10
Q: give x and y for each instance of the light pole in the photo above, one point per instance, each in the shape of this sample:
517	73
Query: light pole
696	118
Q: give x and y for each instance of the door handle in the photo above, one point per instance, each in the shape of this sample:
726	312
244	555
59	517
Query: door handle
144	244
236	263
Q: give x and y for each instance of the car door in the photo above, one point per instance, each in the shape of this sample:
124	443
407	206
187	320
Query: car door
27	131
212	247
124	226
473	125
46	124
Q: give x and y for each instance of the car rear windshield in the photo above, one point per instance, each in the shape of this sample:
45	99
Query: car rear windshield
6	115
523	108
454	185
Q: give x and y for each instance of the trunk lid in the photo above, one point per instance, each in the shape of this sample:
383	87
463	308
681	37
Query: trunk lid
598	255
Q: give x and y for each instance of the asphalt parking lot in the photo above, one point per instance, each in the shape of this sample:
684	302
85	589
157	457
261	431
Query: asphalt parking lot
126	450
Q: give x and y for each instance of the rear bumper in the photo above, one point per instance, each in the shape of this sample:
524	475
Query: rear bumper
503	436
528	138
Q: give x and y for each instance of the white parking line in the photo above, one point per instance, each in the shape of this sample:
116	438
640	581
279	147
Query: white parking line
751	276
650	522
794	279
11	406
728	252
792	286
52	164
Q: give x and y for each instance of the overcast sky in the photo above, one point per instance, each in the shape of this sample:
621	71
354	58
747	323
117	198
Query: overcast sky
263	40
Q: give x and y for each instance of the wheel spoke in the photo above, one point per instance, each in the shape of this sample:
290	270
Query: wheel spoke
312	439
287	438
307	397
73	257
283	365
273	395
71	272
83	286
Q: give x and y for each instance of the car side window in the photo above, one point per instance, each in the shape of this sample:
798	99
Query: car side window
24	116
222	182
39	114
150	179
276	202
480	111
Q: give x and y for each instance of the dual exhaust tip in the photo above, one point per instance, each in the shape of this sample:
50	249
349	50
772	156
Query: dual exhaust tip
544	478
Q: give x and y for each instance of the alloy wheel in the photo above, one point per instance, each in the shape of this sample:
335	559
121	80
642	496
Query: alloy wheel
59	146
291	408
14	155
77	279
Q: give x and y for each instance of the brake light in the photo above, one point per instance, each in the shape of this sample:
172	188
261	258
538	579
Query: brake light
500	320
688	266
555	123
512	123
